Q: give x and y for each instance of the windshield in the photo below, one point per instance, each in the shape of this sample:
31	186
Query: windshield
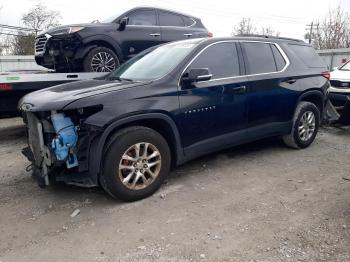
345	67
112	17
109	19
153	63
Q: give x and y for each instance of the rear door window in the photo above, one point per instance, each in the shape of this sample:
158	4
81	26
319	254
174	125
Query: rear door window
221	59
308	55
259	58
170	19
143	17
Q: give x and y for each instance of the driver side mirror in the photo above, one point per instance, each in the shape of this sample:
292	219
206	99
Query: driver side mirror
122	23
334	68
196	75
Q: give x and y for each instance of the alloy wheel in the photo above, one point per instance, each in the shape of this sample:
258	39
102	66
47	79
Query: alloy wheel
103	62
307	126
139	166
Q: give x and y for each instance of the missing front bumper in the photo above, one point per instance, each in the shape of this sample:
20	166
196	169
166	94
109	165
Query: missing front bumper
57	151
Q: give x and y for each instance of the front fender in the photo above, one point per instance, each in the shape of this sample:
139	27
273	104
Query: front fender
82	52
96	153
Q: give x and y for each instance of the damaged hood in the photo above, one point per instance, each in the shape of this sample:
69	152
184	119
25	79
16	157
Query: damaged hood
58	97
64	28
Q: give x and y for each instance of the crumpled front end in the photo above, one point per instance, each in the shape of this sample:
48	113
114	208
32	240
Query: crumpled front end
58	147
57	51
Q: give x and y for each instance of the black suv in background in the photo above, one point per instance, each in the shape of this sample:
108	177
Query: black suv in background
103	46
170	104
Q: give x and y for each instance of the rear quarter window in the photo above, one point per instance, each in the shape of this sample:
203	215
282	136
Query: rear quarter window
307	55
170	19
188	21
280	62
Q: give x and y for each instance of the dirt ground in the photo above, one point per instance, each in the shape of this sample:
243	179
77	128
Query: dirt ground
257	202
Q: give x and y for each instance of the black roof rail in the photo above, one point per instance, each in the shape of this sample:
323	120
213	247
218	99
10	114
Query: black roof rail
270	36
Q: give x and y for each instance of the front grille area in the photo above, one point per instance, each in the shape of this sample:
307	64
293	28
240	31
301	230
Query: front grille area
40	43
34	133
340	84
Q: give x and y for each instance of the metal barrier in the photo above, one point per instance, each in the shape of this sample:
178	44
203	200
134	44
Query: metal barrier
18	63
335	57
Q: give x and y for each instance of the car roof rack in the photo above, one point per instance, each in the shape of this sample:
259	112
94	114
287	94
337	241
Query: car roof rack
270	36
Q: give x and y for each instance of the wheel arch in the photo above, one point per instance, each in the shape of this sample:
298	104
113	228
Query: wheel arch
161	123
315	97
104	41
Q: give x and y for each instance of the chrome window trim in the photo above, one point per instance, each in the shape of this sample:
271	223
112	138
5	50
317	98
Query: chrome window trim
285	57
195	22
157	10
188	26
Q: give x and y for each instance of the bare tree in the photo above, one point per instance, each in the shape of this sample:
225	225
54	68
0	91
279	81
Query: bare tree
39	18
269	31
247	27
333	31
6	42
23	44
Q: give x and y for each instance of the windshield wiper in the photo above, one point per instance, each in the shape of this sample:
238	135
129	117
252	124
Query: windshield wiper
120	79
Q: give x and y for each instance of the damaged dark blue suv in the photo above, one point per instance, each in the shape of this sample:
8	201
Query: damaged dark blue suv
170	104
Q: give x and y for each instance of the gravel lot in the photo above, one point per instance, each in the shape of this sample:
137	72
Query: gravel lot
257	202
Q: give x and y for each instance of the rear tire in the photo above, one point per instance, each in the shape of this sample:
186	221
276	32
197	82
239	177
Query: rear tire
101	59
306	122
136	162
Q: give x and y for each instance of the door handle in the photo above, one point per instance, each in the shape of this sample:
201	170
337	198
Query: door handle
291	80
155	34
238	89
188	35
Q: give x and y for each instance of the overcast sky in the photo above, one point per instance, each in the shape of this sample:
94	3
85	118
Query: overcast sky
219	16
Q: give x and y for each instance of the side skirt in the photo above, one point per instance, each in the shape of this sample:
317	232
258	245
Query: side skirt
236	138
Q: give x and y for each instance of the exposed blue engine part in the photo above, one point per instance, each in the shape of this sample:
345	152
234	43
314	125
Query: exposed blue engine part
66	139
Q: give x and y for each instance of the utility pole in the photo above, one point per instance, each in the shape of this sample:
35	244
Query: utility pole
310	28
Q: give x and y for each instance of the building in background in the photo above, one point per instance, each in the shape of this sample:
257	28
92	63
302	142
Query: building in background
335	57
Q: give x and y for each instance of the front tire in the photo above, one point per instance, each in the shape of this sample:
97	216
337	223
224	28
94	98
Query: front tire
101	59
306	122
135	164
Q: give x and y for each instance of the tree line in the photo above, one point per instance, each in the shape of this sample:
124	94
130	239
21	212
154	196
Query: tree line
20	42
330	32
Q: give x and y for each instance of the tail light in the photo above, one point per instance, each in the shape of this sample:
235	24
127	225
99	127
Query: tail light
5	87
210	34
326	75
